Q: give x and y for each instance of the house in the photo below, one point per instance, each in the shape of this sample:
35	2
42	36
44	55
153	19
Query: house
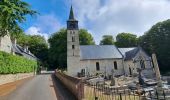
104	59
6	45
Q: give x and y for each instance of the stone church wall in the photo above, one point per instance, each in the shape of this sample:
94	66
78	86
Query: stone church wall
106	66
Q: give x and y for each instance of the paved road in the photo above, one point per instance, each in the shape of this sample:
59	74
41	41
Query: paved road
38	88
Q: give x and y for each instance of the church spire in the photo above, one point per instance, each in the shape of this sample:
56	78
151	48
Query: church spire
71	16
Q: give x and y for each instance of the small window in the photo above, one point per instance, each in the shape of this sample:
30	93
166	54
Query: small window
73	39
73	47
142	63
97	66
115	65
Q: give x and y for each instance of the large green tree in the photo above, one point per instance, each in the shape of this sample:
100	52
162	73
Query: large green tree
85	37
58	46
36	44
107	40
157	40
126	40
13	12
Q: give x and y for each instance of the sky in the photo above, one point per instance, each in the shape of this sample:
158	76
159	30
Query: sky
99	17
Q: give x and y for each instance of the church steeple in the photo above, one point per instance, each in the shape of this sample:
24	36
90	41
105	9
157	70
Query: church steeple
72	23
71	16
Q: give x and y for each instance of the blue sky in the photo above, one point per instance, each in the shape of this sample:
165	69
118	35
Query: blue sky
99	17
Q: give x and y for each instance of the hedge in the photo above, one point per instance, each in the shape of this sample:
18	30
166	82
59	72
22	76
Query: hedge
12	64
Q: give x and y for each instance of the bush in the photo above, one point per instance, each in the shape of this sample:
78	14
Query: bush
12	64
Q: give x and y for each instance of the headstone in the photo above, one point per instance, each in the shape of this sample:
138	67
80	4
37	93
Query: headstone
112	82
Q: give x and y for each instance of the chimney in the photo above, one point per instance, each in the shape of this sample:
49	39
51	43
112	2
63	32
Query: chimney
15	42
26	49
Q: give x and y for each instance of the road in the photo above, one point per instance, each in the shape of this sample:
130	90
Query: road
39	88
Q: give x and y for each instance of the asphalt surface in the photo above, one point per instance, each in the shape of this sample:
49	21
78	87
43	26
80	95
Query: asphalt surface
39	88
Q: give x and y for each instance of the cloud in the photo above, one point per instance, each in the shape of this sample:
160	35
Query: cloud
36	31
44	25
114	16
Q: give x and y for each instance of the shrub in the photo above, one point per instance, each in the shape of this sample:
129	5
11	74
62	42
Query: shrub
12	64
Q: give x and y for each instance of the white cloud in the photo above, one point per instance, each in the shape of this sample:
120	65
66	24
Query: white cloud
45	25
36	31
115	16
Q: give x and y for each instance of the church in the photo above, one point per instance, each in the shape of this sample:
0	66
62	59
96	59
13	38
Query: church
102	59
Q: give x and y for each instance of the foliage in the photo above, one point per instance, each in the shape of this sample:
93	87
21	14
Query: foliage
10	64
85	37
126	40
12	13
58	46
157	40
107	40
37	45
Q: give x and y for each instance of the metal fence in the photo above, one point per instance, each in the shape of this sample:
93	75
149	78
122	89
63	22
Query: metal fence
103	92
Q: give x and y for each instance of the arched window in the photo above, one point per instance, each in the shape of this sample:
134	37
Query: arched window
115	65
142	64
97	66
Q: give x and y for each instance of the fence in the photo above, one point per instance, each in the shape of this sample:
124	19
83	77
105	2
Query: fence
102	92
74	85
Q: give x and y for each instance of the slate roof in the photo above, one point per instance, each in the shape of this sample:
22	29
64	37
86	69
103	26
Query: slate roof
129	53
124	50
20	51
99	52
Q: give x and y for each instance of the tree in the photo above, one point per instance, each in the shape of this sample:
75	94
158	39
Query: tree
85	37
126	40
13	12
157	40
107	40
58	46
36	44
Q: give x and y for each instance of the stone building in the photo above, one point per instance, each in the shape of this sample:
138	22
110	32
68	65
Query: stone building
6	45
101	59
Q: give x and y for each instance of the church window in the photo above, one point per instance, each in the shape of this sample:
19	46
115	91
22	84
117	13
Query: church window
73	47
142	63
115	65
97	66
73	39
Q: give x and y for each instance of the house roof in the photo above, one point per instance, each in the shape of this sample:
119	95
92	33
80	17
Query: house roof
124	50
99	52
19	50
129	53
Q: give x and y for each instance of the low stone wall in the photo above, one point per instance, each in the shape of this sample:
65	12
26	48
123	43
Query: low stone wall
74	85
14	77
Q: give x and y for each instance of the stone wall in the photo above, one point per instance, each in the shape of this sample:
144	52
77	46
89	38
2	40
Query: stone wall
74	85
106	66
14	77
5	44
